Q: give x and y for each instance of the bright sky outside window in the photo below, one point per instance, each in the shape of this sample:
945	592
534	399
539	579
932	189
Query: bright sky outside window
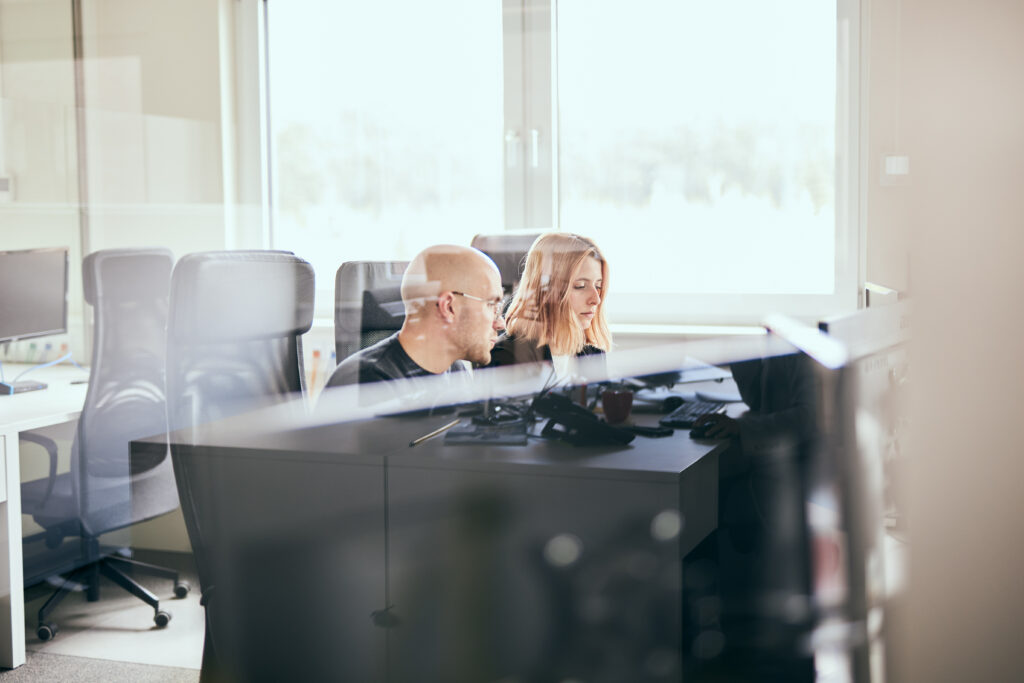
386	126
697	141
709	147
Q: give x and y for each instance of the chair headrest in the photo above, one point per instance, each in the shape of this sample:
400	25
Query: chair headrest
127	274
221	296
353	277
508	251
353	311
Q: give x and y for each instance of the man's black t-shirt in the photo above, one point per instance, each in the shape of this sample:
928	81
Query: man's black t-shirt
384	360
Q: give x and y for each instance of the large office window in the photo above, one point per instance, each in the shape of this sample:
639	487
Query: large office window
709	147
721	157
385	121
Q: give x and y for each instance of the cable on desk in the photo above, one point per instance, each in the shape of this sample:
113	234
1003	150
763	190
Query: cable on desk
66	356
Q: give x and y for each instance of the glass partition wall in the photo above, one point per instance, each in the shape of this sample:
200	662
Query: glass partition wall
39	172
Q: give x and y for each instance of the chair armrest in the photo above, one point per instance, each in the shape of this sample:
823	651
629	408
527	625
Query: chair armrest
51	447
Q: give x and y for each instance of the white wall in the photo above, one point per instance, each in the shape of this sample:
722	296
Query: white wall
887	256
961	108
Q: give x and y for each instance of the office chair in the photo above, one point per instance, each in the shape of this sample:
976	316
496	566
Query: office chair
367	304
508	251
106	489
233	345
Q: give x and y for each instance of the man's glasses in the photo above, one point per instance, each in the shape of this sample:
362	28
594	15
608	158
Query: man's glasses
497	306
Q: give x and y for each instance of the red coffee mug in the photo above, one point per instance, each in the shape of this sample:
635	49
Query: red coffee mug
616	404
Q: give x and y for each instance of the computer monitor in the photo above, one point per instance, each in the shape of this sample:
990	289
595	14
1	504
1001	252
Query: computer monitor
33	293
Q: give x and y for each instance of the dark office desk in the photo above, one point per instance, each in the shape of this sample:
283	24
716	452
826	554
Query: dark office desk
352	555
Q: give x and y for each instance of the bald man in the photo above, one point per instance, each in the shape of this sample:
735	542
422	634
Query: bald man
453	313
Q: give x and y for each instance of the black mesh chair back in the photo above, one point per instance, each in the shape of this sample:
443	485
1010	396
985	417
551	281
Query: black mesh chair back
508	251
234	346
106	487
367	304
234	333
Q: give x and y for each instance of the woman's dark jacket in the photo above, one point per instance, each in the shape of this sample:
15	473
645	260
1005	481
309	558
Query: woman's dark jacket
511	350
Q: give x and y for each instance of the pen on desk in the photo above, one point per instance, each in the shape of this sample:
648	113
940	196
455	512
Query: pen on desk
434	433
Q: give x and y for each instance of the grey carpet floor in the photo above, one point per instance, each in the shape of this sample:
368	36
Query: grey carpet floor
46	667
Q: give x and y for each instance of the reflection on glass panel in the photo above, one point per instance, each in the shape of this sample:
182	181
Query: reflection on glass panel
385	123
711	131
37	152
512	525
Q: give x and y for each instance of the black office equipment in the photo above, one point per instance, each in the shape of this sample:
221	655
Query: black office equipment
576	424
671	403
20	387
511	433
689	411
33	300
650	432
106	488
504	423
700	431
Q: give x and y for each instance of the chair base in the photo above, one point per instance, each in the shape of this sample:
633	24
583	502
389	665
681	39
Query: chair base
114	568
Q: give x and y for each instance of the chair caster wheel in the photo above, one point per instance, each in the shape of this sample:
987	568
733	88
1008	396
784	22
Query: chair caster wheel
181	589
46	631
162	619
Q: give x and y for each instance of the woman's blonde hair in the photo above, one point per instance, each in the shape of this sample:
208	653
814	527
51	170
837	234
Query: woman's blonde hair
540	309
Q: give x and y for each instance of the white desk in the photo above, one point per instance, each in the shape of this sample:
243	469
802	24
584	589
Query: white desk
60	402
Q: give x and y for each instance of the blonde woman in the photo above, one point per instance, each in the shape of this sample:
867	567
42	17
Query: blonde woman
557	312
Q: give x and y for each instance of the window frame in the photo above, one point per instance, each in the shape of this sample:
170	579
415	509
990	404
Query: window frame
531	171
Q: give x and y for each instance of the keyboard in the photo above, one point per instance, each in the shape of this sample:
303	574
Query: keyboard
685	415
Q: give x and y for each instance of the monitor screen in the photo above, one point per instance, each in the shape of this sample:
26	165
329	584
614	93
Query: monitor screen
33	293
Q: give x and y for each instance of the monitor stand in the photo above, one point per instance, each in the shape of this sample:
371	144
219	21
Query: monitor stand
8	388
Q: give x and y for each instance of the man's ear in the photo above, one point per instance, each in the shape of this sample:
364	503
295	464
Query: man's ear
446	307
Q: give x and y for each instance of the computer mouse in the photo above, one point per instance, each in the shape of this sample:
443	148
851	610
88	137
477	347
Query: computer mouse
701	431
671	403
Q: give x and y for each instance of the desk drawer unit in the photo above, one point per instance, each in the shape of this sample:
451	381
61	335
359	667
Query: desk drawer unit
499	576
